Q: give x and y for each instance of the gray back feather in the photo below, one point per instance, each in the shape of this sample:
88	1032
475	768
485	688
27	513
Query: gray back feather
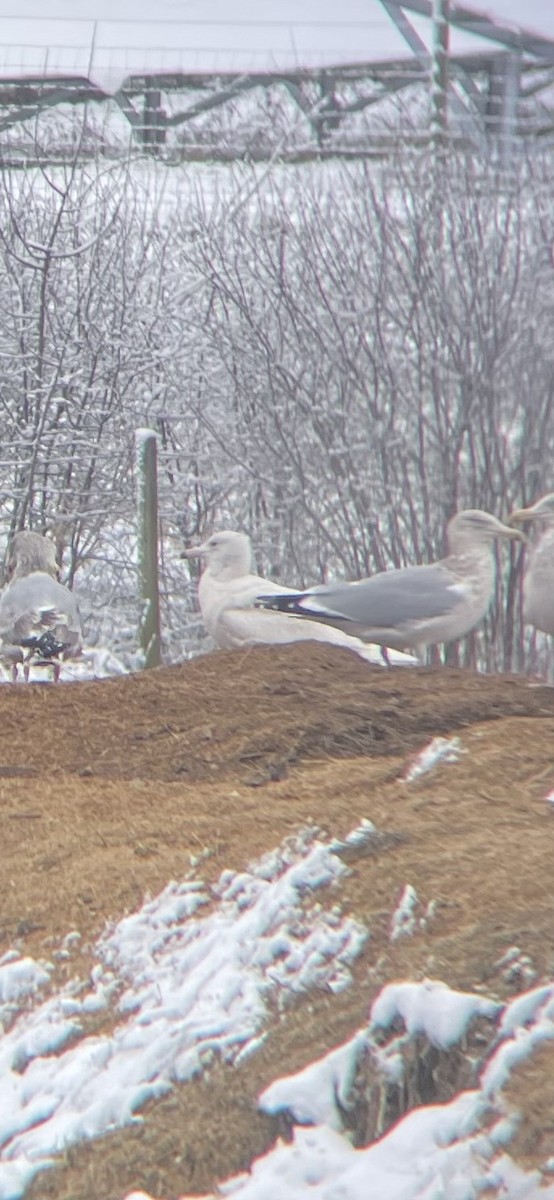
391	597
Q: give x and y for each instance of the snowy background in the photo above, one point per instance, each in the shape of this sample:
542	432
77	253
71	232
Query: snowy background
335	355
331	361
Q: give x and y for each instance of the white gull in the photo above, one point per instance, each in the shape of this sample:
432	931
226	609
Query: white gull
227	594
538	584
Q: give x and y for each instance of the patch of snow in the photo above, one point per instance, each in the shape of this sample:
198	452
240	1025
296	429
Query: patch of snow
435	1152
429	1155
404	920
313	1096
431	1008
190	987
95	662
20	977
250	1048
526	1023
515	967
362	835
527	1009
439	750
513	1183
71	940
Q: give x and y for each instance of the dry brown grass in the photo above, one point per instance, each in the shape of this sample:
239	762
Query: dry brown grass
244	714
531	1092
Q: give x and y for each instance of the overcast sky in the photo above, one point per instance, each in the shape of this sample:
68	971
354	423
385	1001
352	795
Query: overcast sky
212	35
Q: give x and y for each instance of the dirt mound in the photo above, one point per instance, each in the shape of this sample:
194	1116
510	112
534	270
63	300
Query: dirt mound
108	789
247	715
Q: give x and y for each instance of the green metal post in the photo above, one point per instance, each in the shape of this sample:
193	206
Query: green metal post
147	514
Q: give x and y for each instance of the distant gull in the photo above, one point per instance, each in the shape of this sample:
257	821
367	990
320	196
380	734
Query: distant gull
538	584
412	607
39	617
228	591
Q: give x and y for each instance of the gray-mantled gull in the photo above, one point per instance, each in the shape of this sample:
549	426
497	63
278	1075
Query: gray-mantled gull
538	583
412	607
228	591
39	617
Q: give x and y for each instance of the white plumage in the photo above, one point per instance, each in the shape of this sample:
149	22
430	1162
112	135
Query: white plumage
538	584
228	592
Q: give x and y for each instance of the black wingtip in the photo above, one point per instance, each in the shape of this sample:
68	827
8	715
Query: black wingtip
286	604
47	645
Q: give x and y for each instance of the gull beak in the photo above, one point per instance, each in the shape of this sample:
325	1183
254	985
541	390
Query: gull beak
503	529
517	535
520	515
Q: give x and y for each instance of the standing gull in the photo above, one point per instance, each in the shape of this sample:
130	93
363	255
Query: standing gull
228	592
413	607
39	617
538	584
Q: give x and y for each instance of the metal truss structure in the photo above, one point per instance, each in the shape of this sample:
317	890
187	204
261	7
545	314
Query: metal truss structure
499	95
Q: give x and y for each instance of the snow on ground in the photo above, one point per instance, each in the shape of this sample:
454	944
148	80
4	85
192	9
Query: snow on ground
190	977
188	986
439	750
434	1153
431	1008
453	1151
404	919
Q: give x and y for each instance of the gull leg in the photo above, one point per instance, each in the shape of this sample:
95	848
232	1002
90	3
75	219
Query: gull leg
14	672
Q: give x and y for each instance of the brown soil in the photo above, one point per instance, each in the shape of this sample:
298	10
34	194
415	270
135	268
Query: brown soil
224	714
107	788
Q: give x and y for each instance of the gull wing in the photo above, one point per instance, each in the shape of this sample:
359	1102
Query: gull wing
391	599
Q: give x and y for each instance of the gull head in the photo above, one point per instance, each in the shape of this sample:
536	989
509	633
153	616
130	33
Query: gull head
474	528
227	555
31	552
542	510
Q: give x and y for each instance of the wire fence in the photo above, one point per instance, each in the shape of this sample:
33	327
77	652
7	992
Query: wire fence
198	89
